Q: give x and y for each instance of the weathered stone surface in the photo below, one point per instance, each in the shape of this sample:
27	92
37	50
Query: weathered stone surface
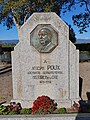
46	117
50	72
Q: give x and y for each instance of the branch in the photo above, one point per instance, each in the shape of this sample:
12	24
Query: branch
85	3
15	19
87	6
25	18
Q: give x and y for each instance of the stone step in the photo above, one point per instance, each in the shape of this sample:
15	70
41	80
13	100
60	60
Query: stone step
2	102
5	70
5	67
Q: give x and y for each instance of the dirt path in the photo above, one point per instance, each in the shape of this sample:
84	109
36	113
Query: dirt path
85	75
5	84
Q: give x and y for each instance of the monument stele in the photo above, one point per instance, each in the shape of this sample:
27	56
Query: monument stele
45	62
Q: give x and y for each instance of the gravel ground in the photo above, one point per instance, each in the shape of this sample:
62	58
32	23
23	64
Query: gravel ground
5	85
85	75
6	82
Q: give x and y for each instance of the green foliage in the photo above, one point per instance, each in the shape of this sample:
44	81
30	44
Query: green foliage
12	113
26	111
82	20
60	111
7	45
22	9
3	110
83	47
85	52
11	109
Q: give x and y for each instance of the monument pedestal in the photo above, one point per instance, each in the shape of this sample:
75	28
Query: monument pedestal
60	103
45	62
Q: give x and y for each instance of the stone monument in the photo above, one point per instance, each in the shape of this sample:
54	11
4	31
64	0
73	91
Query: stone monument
45	62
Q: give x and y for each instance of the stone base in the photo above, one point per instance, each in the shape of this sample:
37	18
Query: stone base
24	103
47	117
67	103
63	103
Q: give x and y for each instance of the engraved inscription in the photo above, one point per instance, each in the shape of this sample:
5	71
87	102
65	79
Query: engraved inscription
53	67
45	18
45	81
41	18
45	77
45	73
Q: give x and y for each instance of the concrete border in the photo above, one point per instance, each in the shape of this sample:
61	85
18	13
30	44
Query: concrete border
84	116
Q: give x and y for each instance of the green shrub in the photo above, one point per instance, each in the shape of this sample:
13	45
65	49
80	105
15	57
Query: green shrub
60	111
3	109
26	111
12	113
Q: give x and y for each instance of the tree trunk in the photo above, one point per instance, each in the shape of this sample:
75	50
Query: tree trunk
18	26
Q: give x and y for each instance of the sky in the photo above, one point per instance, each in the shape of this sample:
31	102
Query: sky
68	18
85	35
12	34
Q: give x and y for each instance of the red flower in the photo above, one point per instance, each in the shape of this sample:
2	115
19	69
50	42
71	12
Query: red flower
43	105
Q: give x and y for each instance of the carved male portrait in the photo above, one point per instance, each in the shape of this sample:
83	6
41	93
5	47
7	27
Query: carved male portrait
44	40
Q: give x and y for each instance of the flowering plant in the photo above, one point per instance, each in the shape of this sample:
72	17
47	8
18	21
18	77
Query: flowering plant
43	105
15	107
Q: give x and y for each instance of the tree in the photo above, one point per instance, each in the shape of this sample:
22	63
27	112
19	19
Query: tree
72	34
17	11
